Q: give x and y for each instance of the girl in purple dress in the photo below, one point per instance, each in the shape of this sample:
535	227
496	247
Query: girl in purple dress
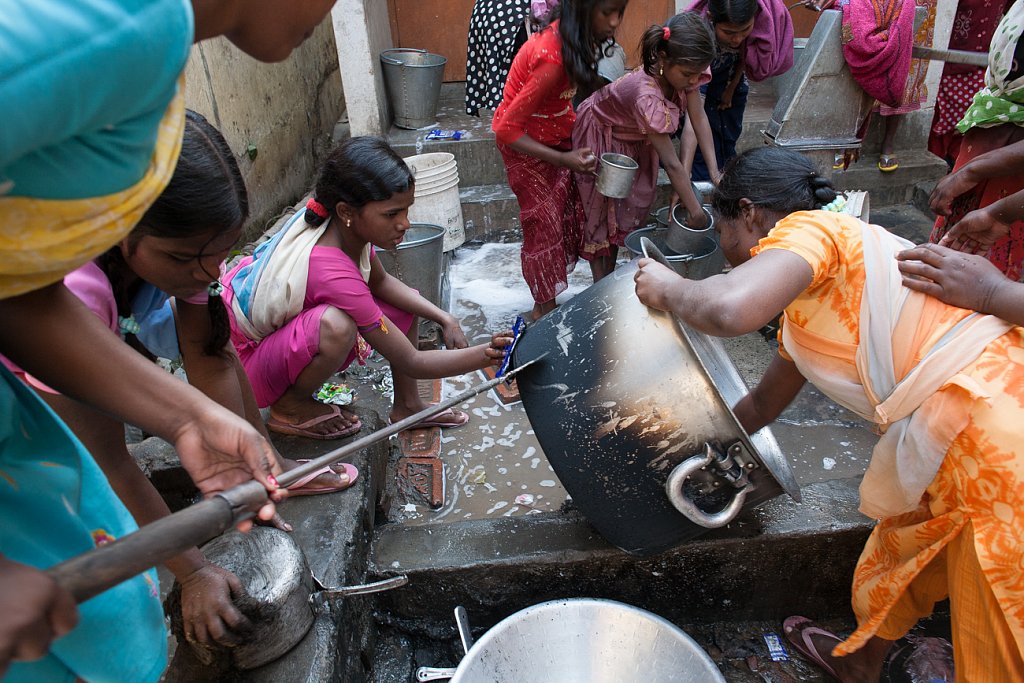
635	116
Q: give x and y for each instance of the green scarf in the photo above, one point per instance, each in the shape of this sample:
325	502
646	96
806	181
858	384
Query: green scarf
1000	101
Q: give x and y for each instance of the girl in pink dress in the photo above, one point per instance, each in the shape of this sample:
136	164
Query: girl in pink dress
635	116
315	298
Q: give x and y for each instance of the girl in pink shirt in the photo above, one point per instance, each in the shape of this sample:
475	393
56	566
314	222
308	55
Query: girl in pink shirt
315	298
635	116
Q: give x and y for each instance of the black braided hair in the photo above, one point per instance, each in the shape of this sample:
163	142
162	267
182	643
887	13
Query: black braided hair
206	192
772	178
360	170
691	42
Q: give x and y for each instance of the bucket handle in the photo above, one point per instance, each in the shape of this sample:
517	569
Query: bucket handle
681	502
395	62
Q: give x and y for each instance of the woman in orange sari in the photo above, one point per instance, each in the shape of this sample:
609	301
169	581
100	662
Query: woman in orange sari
945	386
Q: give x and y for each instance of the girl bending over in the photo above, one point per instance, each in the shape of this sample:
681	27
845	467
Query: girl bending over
635	116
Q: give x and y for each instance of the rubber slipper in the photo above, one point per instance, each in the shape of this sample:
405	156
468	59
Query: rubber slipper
887	163
448	419
798	631
303	428
300	487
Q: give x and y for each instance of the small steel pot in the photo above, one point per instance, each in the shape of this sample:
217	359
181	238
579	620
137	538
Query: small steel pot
702	262
617	174
682	238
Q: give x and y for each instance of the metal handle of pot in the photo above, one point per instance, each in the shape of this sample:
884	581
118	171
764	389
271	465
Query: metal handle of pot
680	501
434	673
395	62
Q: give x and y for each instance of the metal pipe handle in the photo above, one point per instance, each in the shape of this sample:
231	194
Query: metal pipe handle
680	501
91	573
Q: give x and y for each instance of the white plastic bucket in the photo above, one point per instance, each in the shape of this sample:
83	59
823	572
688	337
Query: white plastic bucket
433	184
436	196
430	165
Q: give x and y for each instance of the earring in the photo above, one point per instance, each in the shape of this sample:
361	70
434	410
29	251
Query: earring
348	222
661	69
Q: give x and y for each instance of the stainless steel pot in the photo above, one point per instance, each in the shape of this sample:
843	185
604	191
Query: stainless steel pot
633	411
585	640
704	261
616	176
683	239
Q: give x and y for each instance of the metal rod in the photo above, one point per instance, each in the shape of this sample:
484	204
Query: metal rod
293	475
99	569
950	56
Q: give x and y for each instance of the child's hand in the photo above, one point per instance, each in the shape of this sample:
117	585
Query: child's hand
207	610
454	337
495	352
580	160
725	102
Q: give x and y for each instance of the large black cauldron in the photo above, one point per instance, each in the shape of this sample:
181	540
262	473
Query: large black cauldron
633	411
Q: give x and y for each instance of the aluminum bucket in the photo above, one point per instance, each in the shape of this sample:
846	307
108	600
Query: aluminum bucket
683	239
703	261
419	260
585	640
413	81
617	174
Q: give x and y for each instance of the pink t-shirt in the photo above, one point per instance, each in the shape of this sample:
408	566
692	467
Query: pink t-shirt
334	279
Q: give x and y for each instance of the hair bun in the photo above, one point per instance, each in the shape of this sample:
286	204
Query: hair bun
822	189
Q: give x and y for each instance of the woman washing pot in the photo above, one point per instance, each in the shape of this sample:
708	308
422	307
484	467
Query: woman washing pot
943	384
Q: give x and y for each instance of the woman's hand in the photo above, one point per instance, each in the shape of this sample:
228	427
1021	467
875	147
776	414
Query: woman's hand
653	282
34	611
976	232
963	280
948	189
495	351
454	336
207	609
580	160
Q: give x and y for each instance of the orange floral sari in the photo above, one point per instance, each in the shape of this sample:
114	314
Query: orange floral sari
965	538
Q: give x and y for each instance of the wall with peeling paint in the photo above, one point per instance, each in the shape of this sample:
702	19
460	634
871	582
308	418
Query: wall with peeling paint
278	118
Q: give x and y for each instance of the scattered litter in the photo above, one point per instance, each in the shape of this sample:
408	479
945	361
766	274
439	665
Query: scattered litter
438	134
548	483
385	385
524	499
338	394
775	648
828	463
478	476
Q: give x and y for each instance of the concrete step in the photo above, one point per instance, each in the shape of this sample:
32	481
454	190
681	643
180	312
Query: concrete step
496	566
897	187
491	212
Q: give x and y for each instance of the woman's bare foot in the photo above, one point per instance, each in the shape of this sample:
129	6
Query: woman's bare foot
542	309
